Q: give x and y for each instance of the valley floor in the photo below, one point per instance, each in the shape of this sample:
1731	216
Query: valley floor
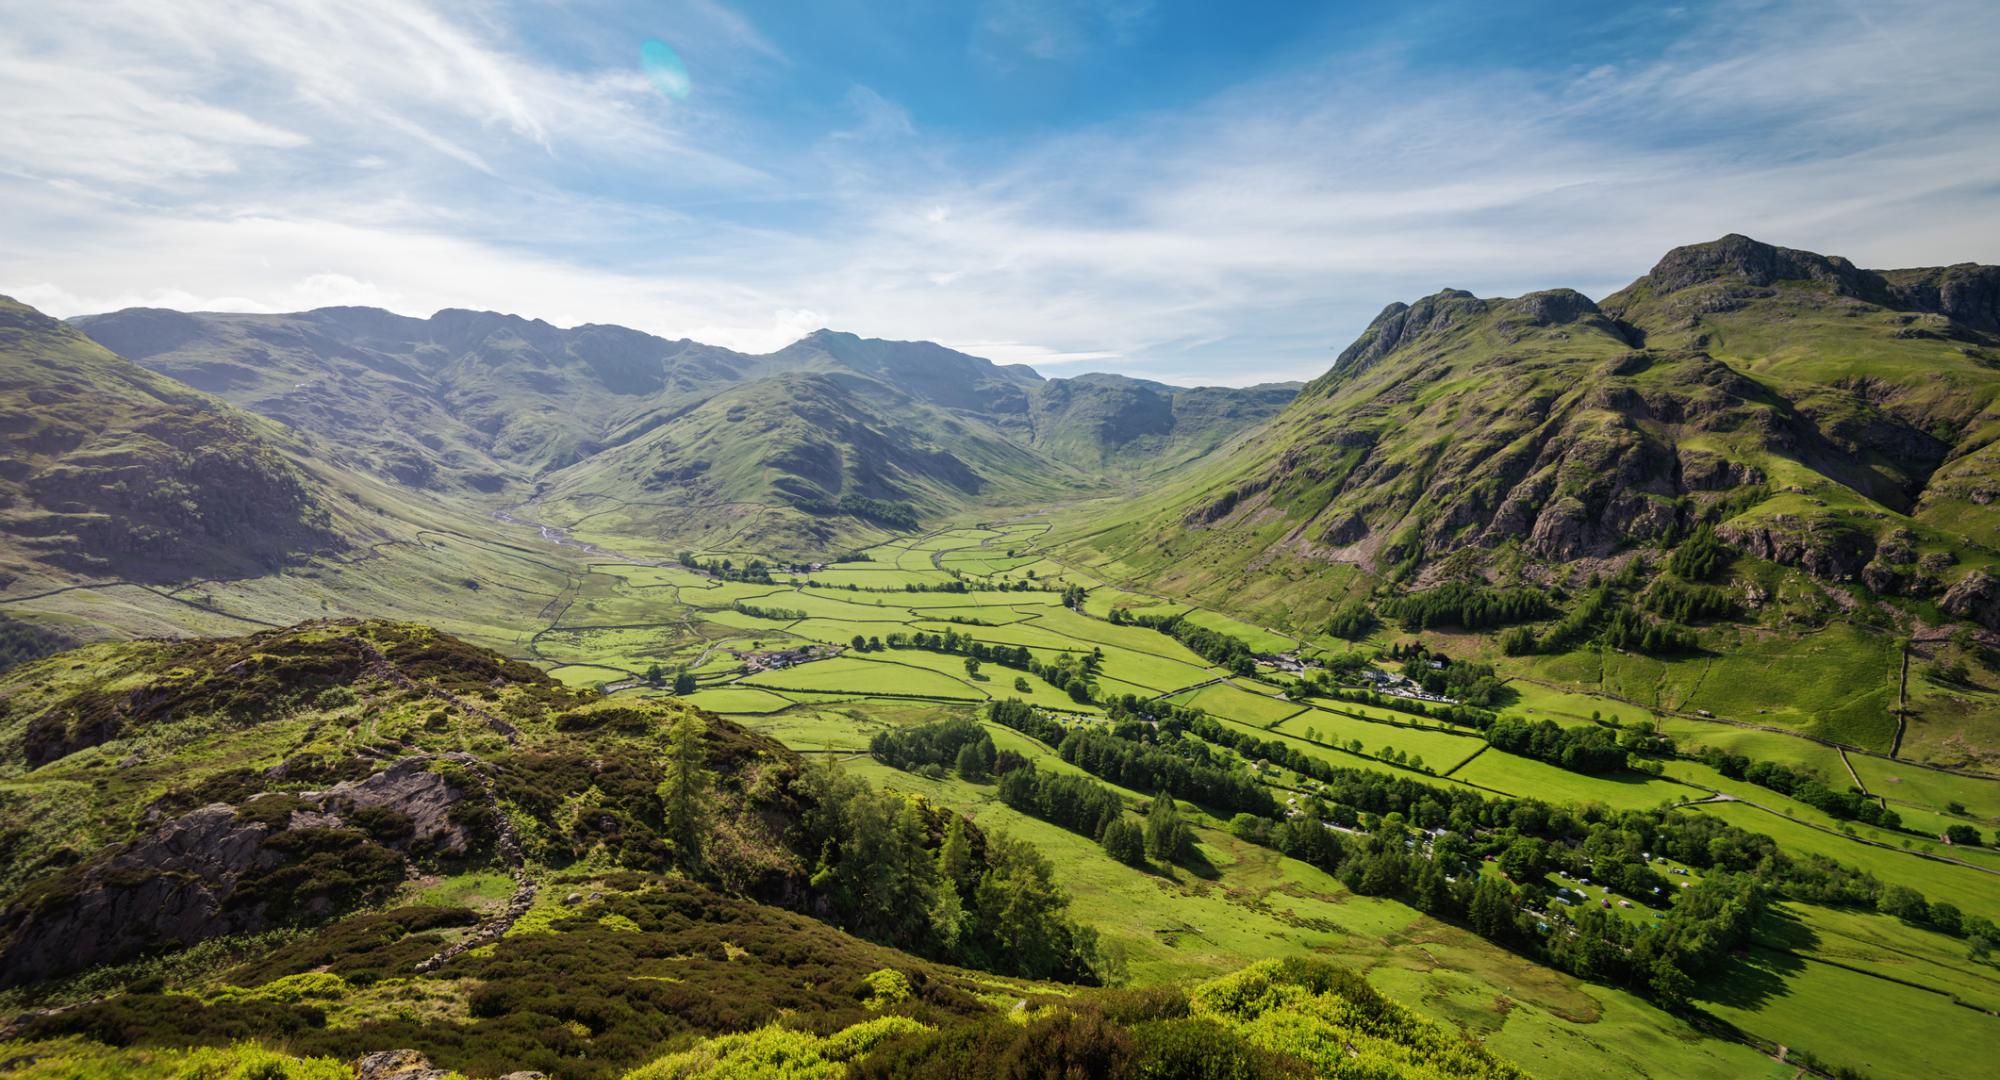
805	655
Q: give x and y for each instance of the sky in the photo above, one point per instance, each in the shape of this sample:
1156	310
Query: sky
1199	193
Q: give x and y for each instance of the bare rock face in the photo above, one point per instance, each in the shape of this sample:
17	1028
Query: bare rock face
1702	470
168	887
204	873
1976	596
1738	257
396	1065
409	788
1402	324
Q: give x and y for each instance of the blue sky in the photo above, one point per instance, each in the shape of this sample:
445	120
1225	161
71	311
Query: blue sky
1202	193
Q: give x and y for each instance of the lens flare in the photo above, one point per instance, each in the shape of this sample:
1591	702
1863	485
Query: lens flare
663	65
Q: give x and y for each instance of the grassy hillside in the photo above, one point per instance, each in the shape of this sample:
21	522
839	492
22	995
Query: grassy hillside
659	436
1824	420
112	470
1822	434
356	838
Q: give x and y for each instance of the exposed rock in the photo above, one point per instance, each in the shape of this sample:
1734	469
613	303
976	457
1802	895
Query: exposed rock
1401	324
409	787
177	883
1967	293
1552	307
1824	549
1704	471
1755	262
169	886
1976	596
398	1065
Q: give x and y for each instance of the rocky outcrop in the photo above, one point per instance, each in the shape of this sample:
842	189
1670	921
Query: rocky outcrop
1701	470
1401	325
170	887
1755	263
222	869
1967	293
409	788
1976	597
1825	549
397	1065
1551	307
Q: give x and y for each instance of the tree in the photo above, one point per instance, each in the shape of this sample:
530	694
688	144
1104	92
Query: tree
971	667
1351	620
1964	835
684	782
1525	860
1125	841
1904	903
860	643
655	676
975	759
1167	836
1492	909
684	682
955	861
1670	985
1021	684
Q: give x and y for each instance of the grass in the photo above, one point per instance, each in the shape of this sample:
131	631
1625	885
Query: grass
474	890
1929	788
848	674
1228	699
1813	998
1973	891
1179	927
739	699
1176	926
1526	778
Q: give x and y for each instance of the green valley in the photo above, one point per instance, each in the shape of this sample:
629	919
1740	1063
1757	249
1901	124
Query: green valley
1554	687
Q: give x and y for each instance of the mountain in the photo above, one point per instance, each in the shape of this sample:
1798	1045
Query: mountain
665	431
370	843
1112	423
800	456
1838	420
463	399
112	470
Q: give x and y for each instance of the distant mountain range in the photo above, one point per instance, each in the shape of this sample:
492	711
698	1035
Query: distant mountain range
651	429
1818	415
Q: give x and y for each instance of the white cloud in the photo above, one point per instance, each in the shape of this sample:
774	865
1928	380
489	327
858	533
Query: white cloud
417	156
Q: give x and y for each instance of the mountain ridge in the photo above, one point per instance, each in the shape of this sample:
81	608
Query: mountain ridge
1841	420
485	404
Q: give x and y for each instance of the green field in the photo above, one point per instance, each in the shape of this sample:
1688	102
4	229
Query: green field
1929	788
620	618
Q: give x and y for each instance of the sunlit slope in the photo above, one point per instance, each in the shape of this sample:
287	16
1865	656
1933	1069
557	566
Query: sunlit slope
1823	417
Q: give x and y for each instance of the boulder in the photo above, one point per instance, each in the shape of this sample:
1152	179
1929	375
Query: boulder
1976	597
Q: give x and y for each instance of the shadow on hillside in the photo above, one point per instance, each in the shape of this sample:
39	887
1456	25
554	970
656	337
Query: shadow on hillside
1758	974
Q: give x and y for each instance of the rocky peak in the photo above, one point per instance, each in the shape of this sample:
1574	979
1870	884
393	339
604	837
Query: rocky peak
1753	262
1966	293
1551	307
1402	324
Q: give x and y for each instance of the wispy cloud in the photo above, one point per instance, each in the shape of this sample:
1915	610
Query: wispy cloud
421	155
